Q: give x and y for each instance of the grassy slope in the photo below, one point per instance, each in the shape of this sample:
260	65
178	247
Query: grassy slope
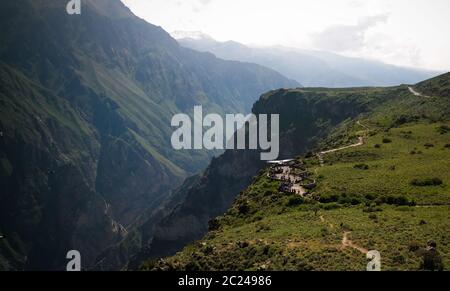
268	230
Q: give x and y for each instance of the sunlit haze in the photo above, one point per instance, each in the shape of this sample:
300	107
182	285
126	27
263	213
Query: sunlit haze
402	32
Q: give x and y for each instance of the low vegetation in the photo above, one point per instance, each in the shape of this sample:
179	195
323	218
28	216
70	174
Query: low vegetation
391	197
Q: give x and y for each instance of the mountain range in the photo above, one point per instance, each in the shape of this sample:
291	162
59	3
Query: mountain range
310	68
86	161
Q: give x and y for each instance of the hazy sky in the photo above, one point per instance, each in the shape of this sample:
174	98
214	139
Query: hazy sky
412	33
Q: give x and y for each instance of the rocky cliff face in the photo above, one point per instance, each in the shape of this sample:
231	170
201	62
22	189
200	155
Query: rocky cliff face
306	117
86	103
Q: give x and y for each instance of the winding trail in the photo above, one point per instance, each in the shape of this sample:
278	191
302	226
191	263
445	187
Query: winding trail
347	243
415	93
321	155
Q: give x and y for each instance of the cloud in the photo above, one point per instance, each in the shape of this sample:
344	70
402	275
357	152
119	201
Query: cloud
398	50
344	38
198	5
204	2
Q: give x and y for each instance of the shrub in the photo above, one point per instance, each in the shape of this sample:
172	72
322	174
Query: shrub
399	259
242	245
361	167
350	200
428	145
405	208
371	209
414	246
426	182
208	250
324	231
370	197
331	206
447	146
295	201
443	129
373	217
244	208
328	198
377	146
309	155
387	140
397	201
268	193
403	119
214	224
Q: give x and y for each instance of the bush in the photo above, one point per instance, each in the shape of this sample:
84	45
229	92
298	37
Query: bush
268	193
399	259
371	209
427	182
244	208
443	129
324	231
387	140
214	224
377	146
397	201
328	198
309	155
447	146
370	197
403	119
350	200
428	145
295	201
414	246
361	167
373	217
331	206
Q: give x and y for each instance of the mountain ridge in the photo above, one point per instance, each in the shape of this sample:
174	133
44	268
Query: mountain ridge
311	68
85	119
404	139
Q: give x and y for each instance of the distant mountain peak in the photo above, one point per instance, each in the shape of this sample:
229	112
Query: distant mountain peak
196	35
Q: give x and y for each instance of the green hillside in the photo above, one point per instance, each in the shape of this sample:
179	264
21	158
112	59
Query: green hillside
85	124
390	194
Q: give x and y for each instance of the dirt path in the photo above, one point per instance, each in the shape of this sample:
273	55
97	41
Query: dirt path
321	155
360	143
415	93
323	220
347	243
